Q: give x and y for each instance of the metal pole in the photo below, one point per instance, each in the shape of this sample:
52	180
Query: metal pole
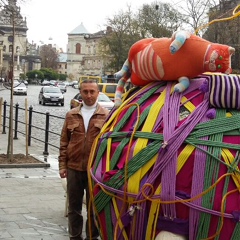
30	125
4	116
46	134
16	121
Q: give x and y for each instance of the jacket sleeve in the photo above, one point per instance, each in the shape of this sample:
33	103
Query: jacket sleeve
64	141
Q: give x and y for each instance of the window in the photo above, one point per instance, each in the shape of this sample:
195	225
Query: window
78	48
111	88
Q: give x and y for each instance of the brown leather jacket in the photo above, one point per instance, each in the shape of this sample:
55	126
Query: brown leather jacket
75	144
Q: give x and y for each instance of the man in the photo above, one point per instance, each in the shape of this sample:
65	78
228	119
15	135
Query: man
82	124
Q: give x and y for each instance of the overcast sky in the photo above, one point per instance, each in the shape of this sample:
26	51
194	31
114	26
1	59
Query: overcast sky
56	18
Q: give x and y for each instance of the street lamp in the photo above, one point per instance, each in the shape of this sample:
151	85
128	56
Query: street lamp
36	76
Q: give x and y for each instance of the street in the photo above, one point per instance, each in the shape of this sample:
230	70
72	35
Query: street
39	120
32	97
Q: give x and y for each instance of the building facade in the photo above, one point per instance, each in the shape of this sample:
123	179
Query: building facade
62	63
17	55
83	55
20	56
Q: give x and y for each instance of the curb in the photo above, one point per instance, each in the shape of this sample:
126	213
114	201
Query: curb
25	165
41	164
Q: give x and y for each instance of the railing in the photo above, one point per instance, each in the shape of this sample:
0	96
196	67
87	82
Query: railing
40	131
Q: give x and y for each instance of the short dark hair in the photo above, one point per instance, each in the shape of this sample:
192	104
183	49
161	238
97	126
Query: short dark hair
88	81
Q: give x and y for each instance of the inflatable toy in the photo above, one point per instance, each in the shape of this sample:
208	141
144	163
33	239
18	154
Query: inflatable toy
167	163
182	57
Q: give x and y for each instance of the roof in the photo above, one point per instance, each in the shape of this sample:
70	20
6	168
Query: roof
79	30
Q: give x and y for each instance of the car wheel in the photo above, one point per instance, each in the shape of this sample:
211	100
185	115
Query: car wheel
39	102
43	102
62	104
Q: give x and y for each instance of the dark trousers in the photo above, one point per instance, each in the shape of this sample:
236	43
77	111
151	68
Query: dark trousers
77	182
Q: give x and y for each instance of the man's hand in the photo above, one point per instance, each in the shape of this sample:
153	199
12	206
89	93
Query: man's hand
63	173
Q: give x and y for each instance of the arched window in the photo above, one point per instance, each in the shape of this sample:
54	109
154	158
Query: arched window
78	48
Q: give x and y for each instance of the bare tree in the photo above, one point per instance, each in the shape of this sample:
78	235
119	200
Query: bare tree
196	11
13	15
124	32
159	20
49	56
127	27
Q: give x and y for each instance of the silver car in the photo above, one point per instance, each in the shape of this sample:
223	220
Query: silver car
62	86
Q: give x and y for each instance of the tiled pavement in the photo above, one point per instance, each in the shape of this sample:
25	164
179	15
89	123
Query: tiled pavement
32	200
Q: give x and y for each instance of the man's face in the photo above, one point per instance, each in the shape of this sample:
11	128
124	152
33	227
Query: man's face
89	93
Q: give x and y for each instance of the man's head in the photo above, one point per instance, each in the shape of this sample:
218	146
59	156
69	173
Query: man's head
89	91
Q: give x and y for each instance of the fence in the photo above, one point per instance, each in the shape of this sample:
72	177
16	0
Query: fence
38	125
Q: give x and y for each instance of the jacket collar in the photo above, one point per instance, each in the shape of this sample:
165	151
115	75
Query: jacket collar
99	110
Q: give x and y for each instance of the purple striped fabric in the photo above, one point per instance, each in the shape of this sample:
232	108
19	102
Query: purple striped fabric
224	91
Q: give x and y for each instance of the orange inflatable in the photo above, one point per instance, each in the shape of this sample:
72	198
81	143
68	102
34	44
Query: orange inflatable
181	57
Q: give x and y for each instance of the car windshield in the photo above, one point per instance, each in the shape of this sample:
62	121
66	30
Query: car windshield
19	85
22	85
52	90
103	98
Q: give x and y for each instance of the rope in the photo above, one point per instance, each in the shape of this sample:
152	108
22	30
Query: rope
144	158
234	15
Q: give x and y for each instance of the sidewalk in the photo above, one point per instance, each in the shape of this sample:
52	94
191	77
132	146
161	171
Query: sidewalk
32	200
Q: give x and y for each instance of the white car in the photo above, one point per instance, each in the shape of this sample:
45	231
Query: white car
62	86
103	100
75	86
19	88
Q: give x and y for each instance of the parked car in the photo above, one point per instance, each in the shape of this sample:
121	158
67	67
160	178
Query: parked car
25	82
73	83
51	94
45	83
103	100
62	86
67	83
19	88
52	82
76	86
108	88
